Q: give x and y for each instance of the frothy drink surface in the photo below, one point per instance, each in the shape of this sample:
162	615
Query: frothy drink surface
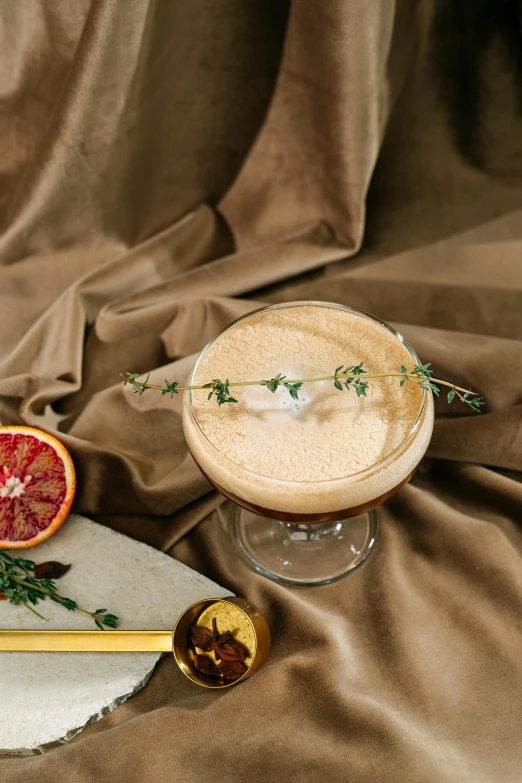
327	434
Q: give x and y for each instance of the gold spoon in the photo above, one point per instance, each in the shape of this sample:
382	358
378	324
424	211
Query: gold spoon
175	641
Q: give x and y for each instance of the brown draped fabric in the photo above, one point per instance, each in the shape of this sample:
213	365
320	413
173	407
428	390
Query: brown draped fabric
167	165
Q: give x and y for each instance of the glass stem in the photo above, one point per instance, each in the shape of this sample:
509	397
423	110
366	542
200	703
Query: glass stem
312	531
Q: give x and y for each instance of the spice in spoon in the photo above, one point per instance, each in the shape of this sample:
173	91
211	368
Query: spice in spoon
229	653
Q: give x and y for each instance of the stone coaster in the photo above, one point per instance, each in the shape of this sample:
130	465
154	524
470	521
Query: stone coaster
48	698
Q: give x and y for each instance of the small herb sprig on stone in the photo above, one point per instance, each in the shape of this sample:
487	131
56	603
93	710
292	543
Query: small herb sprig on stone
344	377
23	583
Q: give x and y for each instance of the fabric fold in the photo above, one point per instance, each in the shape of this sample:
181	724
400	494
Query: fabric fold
167	167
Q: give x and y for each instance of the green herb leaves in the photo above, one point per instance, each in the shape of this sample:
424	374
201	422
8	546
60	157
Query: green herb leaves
101	618
293	388
170	388
141	386
422	375
273	384
349	377
475	403
221	390
360	388
20	585
130	377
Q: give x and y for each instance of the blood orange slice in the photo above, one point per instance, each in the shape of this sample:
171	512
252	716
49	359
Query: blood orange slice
37	486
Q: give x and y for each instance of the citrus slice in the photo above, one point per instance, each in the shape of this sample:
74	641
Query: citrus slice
37	486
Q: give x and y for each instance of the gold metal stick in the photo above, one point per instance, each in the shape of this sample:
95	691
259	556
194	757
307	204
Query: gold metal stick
177	641
86	641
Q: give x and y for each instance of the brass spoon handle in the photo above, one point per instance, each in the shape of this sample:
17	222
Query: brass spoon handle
86	641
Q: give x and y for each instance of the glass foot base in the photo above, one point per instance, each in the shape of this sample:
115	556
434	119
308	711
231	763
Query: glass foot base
304	554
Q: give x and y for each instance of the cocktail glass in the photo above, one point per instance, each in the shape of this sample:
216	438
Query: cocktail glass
317	546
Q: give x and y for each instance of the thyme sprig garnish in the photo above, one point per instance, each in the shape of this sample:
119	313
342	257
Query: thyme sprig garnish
20	586
344	377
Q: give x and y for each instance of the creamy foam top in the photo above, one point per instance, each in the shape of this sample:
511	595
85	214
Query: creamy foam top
327	434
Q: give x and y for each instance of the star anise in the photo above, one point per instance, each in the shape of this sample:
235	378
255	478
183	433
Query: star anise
224	645
206	665
231	670
202	638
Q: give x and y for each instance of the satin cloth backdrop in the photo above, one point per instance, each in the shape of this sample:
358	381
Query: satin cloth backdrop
167	166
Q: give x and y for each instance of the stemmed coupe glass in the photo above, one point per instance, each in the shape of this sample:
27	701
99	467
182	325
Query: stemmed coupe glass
335	529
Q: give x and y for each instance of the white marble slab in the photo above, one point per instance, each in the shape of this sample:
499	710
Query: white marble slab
47	698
